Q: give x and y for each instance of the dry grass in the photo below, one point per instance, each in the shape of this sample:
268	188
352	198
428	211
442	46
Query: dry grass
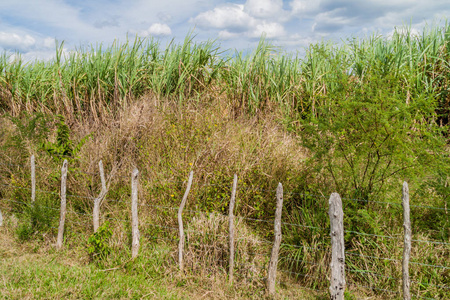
207	249
165	141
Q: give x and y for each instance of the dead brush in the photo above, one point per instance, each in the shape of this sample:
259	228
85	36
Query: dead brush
207	249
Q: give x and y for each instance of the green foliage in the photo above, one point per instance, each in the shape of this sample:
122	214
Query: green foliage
98	243
436	190
42	215
64	145
19	193
34	129
267	76
349	295
361	220
29	128
440	182
369	134
24	232
186	69
297	242
37	218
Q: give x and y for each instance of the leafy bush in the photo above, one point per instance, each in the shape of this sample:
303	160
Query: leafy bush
368	135
98	243
64	145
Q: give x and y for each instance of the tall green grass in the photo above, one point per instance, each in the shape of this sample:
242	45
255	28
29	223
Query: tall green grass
98	79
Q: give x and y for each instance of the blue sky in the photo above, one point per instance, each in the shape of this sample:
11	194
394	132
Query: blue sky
31	27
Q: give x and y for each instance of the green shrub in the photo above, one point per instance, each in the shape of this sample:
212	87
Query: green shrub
369	137
64	145
29	128
36	218
24	232
98	243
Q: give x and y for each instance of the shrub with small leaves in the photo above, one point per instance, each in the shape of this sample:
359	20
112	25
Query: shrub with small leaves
98	243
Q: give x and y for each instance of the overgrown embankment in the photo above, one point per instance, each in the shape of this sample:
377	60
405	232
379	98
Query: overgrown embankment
357	118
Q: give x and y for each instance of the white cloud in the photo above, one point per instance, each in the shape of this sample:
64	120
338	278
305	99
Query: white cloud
270	30
304	8
264	8
45	55
162	11
331	20
113	21
14	41
158	29
46	12
164	16
233	17
236	21
297	40
49	42
226	35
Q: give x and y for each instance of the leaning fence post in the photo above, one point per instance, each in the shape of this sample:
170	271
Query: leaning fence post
231	229
98	200
180	221
62	217
336	214
272	272
134	213
33	179
406	241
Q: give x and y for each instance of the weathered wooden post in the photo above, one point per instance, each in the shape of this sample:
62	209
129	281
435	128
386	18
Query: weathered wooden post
1	218
337	281
99	199
180	221
272	272
62	217
134	214
231	228
33	179
406	241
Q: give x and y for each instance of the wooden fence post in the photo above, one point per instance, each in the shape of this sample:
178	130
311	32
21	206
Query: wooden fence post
1	218
406	241
62	217
272	272
99	199
33	179
134	213
336	214
180	221
231	228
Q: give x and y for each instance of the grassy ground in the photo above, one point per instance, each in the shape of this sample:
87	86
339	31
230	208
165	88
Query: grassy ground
37	271
31	271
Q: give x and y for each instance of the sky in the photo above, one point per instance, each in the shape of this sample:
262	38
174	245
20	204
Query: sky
31	26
